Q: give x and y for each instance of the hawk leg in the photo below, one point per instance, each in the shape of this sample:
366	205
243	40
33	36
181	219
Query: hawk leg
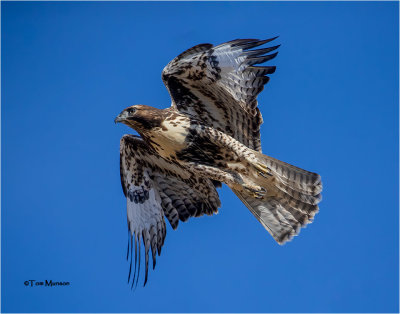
232	179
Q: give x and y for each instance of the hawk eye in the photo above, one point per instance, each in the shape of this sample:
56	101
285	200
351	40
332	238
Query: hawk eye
131	110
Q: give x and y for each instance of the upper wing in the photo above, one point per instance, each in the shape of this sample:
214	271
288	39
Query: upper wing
219	85
154	187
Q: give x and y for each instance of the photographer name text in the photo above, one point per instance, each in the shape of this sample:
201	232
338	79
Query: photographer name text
46	283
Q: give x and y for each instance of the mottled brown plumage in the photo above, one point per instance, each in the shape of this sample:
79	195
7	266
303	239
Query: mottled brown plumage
210	134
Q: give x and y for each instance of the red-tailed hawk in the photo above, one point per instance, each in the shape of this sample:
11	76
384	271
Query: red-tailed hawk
210	135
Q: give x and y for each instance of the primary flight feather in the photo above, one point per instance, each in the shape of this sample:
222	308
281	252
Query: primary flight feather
210	135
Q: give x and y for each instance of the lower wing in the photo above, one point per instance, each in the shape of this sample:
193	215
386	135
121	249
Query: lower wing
155	187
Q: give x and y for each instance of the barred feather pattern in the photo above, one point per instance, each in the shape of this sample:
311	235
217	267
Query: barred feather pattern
155	187
291	202
219	86
295	178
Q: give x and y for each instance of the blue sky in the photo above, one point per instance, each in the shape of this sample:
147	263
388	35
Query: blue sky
331	107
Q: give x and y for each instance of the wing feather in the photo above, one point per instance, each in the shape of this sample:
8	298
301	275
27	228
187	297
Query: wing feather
153	188
219	86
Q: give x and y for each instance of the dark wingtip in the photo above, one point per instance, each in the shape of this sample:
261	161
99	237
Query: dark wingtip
259	52
146	273
262	42
253	43
130	264
139	262
134	273
270	69
127	251
268	40
273	55
145	280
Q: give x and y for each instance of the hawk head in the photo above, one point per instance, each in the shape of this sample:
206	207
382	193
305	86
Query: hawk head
140	117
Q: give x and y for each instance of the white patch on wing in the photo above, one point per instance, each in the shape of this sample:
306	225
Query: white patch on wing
144	215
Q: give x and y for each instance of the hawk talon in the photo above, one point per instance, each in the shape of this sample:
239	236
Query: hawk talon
256	193
263	174
263	170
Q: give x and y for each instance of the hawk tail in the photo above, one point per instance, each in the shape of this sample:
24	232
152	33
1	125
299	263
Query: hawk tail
291	200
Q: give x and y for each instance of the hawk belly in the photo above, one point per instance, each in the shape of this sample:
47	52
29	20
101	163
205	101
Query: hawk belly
207	152
187	141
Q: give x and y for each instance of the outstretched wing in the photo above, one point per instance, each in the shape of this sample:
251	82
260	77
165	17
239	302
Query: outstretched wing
153	188
219	85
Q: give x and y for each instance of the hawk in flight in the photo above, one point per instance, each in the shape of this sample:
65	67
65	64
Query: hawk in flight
210	135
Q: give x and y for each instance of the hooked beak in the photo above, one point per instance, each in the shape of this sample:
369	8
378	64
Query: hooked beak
121	117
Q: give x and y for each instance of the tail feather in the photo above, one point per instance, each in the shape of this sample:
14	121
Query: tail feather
298	179
268	215
300	187
298	195
291	201
281	220
300	207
